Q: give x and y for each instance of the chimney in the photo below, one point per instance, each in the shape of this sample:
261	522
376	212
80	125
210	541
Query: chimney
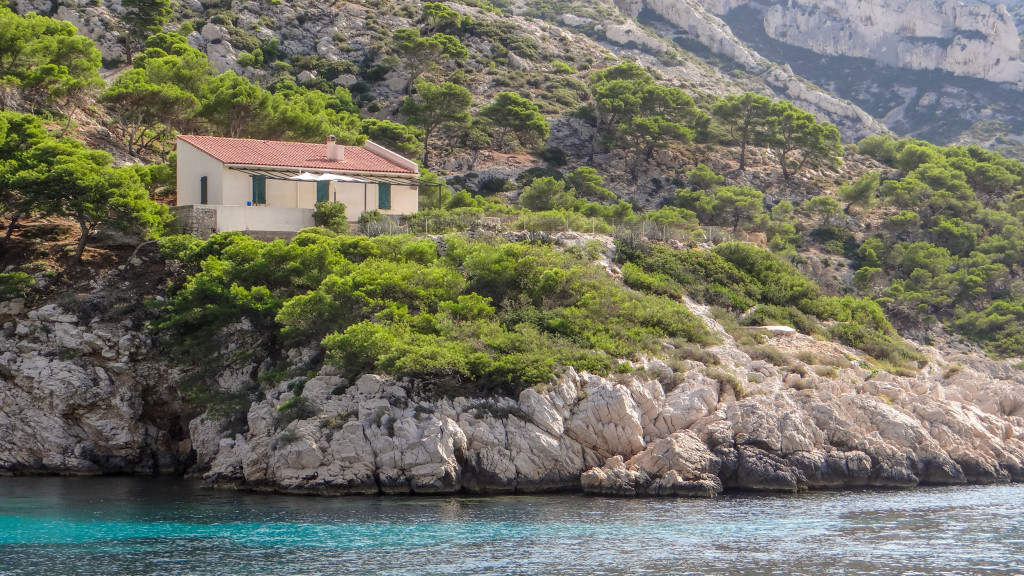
335	152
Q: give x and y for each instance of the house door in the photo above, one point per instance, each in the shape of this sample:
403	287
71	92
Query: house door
384	196
323	191
259	190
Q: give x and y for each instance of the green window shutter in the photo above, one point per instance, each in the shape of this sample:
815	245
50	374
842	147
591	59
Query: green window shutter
384	196
259	190
204	194
323	190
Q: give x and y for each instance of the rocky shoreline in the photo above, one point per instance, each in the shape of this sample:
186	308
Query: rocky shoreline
95	398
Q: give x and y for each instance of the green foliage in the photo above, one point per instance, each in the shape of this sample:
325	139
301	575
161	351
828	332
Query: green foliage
948	250
439	17
825	209
543	194
563	67
512	114
14	284
331	215
793	130
589	184
47	61
636	114
421	54
861	193
513	317
142	18
394	136
142	111
503	35
746	117
731	206
437	108
64	178
704	178
741	276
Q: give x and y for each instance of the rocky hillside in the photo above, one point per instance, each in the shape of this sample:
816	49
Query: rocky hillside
89	394
943	71
964	60
589	321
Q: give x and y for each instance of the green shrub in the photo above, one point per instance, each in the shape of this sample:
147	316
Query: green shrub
331	215
726	381
14	284
769	354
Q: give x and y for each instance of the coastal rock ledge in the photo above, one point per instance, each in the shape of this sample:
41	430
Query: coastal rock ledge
93	398
652	432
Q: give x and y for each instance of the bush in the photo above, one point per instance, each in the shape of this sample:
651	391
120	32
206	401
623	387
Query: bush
331	215
769	354
14	284
483	319
489	186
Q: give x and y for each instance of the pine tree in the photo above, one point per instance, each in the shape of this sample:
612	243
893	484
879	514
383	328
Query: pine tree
142	18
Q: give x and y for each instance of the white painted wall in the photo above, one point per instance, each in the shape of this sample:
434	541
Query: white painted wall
263	218
237	187
192	165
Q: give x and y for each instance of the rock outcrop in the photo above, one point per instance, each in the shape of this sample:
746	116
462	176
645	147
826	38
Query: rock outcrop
965	38
84	397
745	424
699	20
975	39
88	396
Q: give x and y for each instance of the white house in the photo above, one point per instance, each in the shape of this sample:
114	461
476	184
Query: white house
269	188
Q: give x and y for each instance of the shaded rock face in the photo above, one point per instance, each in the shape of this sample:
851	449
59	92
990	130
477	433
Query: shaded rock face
977	39
699	20
965	38
627	436
84	398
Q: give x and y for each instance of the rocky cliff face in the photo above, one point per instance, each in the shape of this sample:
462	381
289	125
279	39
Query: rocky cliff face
84	397
965	38
745	424
698	20
87	396
975	39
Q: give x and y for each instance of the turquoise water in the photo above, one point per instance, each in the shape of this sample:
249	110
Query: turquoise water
131	526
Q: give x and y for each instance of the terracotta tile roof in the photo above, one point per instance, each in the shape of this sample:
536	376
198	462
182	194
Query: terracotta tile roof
292	155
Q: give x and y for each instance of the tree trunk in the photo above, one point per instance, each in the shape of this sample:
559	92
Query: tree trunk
743	154
84	227
426	148
128	47
12	225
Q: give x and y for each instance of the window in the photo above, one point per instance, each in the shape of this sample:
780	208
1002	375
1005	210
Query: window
384	196
259	190
323	190
203	190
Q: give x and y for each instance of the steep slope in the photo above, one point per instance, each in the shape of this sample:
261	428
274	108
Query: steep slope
946	72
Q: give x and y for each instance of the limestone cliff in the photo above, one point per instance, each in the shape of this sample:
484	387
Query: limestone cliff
698	20
975	39
84	397
746	424
91	396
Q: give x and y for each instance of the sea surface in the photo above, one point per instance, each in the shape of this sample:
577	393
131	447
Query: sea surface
135	526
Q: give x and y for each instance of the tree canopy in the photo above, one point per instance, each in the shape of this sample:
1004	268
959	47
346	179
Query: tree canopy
513	114
437	108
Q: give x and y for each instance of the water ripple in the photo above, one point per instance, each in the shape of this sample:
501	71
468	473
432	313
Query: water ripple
58	526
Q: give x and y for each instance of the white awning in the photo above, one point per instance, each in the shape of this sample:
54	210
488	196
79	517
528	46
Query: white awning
326	177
